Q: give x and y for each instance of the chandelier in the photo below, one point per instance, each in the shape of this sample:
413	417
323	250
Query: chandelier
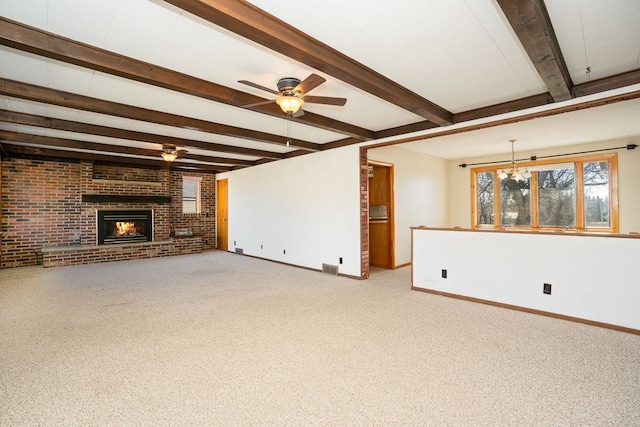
514	172
169	152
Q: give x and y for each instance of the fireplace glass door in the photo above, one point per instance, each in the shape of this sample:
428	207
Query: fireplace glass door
124	226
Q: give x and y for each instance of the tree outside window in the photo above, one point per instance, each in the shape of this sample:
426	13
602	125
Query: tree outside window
596	194
515	202
557	197
572	194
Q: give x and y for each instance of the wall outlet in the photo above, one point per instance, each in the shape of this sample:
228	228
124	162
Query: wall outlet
340	260
261	247
546	288
444	273
284	251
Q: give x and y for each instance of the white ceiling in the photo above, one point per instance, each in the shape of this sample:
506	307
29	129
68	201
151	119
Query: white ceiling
617	121
458	54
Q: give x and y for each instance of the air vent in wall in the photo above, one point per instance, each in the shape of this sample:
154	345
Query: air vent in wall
240	251
330	269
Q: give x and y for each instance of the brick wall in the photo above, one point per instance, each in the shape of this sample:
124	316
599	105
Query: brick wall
364	213
119	173
42	207
202	224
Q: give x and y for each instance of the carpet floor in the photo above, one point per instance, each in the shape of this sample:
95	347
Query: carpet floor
227	340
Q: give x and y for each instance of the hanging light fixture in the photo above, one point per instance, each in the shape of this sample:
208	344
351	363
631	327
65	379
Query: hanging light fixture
290	104
514	172
169	152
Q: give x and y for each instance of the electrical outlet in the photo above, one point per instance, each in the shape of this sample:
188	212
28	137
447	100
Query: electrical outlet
444	273
261	247
234	243
340	260
284	251
546	288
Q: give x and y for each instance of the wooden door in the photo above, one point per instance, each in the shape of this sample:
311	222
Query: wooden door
381	235
222	216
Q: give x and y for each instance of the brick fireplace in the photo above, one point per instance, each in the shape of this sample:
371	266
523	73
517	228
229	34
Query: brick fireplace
51	210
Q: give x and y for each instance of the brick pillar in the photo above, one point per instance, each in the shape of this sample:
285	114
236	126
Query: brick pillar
364	213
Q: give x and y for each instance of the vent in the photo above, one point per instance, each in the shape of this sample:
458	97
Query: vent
240	251
330	269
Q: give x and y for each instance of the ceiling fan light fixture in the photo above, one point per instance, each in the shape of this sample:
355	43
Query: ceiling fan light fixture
169	153
290	104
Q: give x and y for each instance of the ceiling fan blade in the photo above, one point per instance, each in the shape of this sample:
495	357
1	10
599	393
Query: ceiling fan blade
309	83
257	86
325	100
257	103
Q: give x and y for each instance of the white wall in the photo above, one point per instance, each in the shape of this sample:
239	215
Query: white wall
592	278
421	185
307	205
628	179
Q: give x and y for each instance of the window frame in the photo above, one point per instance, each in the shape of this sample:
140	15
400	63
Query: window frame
198	181
611	158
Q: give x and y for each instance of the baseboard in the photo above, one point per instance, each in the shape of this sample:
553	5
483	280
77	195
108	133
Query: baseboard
299	266
531	310
401	266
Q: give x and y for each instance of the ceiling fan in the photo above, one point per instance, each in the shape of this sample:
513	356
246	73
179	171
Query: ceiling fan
292	94
170	152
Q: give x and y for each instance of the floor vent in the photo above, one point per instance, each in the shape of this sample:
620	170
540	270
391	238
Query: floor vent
240	251
330	269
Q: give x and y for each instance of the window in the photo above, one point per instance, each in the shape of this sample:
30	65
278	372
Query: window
484	200
191	194
557	196
575	194
515	202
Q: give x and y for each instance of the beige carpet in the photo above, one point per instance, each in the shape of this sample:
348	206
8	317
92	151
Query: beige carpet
222	339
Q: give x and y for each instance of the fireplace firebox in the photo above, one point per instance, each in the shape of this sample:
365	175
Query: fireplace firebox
125	226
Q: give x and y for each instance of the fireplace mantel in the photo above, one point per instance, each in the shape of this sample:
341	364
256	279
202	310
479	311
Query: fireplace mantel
121	198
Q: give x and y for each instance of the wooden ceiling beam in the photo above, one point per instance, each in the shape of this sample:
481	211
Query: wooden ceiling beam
341	143
71	126
45	95
531	23
48	45
246	20
608	83
401	130
49	141
505	107
26	151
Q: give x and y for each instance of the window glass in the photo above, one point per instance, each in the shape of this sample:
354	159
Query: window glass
596	194
485	198
515	202
557	197
190	195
